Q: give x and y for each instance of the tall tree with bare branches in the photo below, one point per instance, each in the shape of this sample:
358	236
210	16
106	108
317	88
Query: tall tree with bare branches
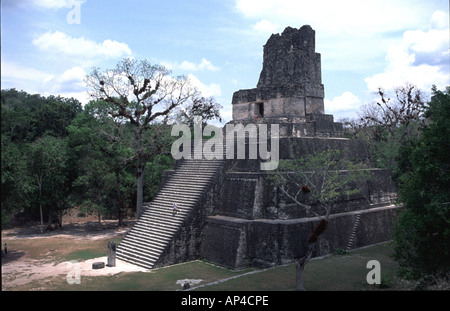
142	94
391	120
407	106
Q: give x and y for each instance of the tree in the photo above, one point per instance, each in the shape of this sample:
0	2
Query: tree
387	123
422	235
17	117
25	119
17	186
206	108
408	107
141	94
48	166
316	182
102	161
54	114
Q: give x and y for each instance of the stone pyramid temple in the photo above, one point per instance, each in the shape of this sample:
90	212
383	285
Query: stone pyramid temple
229	213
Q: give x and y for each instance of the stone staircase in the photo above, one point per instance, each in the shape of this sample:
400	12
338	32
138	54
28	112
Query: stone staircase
156	228
353	234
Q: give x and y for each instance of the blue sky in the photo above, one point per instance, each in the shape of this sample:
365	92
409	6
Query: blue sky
48	46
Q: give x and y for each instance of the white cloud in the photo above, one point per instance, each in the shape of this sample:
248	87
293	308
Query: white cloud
207	65
265	26
439	20
421	58
59	42
421	41
345	105
212	89
226	113
70	83
56	4
336	17
15	72
204	65
187	66
352	35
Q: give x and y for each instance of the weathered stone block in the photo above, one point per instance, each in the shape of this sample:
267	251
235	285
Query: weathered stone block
290	58
290	83
224	241
264	243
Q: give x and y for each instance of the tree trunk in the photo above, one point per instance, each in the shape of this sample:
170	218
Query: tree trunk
42	217
39	180
140	192
120	217
118	199
312	240
60	218
139	173
300	266
299	276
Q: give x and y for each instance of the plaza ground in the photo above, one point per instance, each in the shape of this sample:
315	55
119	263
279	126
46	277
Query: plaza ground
50	261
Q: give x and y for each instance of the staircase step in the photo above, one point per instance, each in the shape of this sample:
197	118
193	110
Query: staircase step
162	233
354	229
186	182
162	209
179	190
167	202
151	235
148	248
134	258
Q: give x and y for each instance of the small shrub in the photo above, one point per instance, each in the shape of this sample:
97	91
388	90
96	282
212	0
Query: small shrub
340	251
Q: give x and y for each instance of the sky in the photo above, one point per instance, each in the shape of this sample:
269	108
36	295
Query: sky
49	46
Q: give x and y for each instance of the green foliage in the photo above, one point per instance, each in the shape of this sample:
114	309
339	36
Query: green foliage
206	108
340	251
34	124
100	161
327	176
156	95
422	236
26	117
17	184
56	154
47	164
384	150
153	174
386	124
103	152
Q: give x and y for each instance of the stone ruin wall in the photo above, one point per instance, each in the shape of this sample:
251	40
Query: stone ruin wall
246	103
242	220
252	223
239	243
290	81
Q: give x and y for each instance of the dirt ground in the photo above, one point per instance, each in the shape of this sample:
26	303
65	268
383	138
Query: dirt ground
40	258
25	264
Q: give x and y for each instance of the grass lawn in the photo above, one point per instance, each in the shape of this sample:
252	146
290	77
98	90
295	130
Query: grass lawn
163	279
332	273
